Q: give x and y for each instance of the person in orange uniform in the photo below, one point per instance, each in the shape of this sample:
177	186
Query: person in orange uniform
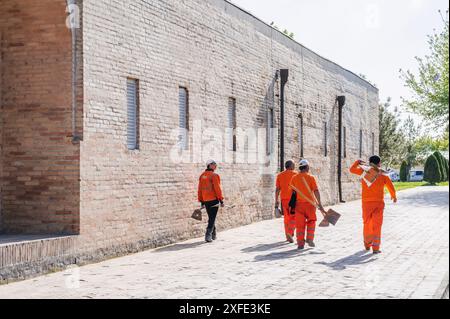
373	202
305	212
283	192
210	196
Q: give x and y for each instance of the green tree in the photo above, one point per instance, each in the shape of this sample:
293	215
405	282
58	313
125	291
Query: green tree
430	86
411	132
404	172
392	149
442	164
427	145
432	173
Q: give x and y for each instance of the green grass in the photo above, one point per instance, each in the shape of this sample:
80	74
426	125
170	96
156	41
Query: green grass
400	186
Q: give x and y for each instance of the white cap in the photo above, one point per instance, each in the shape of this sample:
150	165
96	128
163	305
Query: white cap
210	162
304	163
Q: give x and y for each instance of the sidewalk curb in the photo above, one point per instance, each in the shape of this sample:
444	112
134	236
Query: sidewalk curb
443	290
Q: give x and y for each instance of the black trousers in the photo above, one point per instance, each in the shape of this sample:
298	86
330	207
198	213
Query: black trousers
212	215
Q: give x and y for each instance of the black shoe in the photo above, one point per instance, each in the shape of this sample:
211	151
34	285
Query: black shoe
301	247
208	239
377	252
290	238
311	243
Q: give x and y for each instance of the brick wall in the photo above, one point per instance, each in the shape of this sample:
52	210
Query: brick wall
217	52
40	175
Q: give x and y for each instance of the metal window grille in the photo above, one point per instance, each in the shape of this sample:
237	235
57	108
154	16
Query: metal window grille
183	96
232	124
132	114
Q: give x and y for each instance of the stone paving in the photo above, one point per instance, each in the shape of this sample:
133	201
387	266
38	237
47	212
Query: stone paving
254	262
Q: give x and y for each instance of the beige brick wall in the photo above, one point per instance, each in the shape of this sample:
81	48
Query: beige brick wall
121	201
217	52
40	166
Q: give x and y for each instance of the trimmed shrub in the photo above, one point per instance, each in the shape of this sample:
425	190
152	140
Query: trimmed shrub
404	172
447	168
432	171
442	164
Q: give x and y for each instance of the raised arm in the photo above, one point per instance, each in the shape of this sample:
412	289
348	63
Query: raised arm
355	169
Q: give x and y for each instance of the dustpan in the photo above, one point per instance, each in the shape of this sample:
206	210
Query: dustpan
333	217
324	223
197	215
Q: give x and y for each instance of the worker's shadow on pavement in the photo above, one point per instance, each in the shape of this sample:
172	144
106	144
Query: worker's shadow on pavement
178	247
360	258
283	255
264	247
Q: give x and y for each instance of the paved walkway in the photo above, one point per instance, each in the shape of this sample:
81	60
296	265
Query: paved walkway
253	262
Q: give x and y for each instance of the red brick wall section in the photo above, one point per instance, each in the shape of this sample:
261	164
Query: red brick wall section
40	176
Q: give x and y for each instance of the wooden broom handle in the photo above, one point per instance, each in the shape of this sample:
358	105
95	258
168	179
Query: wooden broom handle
310	191
304	197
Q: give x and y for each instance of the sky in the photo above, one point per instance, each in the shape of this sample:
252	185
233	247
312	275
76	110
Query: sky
376	38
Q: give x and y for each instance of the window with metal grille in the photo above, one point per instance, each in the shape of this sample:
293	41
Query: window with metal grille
183	102
360	143
373	143
232	124
325	138
270	127
132	114
300	135
344	142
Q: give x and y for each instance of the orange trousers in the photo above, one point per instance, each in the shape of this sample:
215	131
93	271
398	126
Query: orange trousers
373	222
306	219
289	219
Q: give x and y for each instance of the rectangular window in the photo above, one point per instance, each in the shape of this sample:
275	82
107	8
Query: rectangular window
183	96
132	114
344	142
300	135
232	124
325	138
270	127
360	143
373	143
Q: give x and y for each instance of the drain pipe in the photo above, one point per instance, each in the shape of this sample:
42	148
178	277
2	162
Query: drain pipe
341	103
73	24
284	74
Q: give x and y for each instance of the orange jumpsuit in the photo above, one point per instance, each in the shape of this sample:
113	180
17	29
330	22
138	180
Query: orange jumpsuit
373	207
305	213
283	181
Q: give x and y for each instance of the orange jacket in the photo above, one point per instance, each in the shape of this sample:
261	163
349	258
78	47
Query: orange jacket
209	188
297	182
283	181
374	193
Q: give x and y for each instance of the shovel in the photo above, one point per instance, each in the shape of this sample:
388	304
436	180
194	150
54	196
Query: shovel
330	217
